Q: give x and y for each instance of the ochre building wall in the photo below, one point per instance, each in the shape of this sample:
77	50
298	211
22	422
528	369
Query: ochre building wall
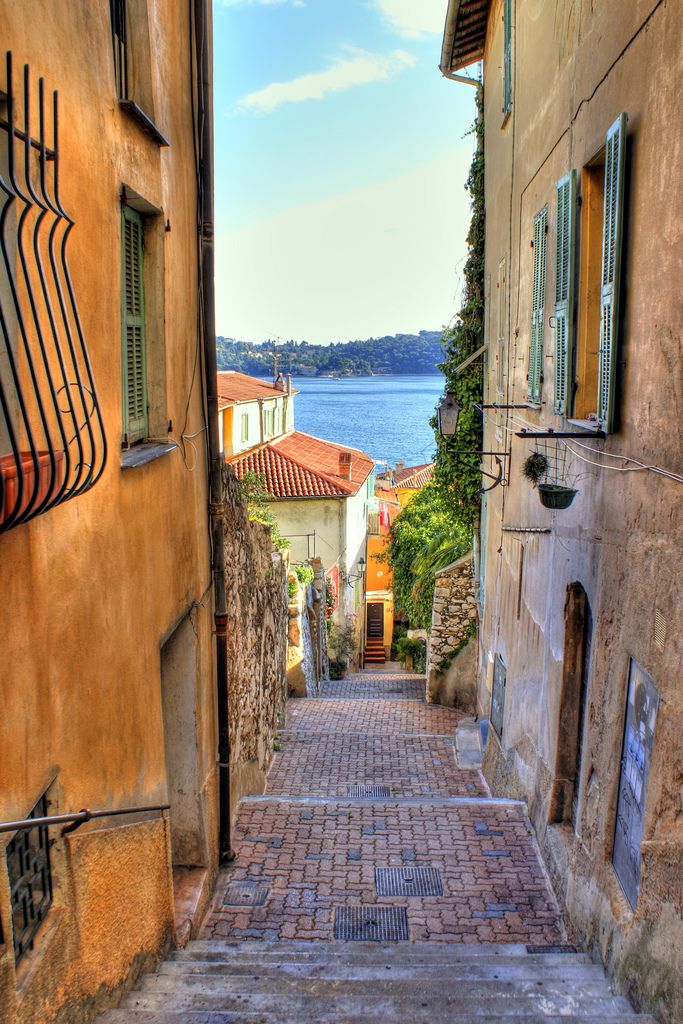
576	68
94	588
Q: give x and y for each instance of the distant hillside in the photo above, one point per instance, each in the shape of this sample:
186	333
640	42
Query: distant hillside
399	354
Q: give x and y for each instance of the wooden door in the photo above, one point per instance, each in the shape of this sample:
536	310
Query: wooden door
375	621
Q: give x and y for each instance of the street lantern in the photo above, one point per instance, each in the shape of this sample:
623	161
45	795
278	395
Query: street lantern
448	413
361	565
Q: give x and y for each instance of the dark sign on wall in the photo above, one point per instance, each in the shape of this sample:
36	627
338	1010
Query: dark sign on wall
498	695
639	733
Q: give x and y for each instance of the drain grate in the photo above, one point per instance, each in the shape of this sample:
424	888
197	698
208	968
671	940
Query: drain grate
367	792
561	948
415	881
371	924
245	894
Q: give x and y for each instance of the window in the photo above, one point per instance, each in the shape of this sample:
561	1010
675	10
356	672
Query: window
507	56
535	376
133	329
245	426
564	290
132	53
593	379
30	880
118	33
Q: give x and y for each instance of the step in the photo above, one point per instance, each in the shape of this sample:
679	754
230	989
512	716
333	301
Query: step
293	985
381	1006
398	969
321	1016
397	958
332	950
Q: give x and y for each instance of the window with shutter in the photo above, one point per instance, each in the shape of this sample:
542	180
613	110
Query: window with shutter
535	377
564	291
615	147
133	329
507	56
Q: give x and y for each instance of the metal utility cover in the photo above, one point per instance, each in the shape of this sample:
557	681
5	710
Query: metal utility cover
560	948
367	792
371	924
408	881
245	894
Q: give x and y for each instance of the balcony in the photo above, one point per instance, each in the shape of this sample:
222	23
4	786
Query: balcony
52	444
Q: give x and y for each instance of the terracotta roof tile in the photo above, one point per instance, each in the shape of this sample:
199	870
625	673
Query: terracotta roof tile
299	465
415	476
240	387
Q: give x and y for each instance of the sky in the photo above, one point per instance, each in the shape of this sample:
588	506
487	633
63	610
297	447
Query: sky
341	160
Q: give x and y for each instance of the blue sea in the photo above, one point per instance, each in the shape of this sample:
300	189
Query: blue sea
387	417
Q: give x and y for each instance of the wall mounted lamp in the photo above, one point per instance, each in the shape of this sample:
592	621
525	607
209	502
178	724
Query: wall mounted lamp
350	577
448	413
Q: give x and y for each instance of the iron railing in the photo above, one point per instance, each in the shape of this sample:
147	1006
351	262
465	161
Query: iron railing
52	442
76	818
29	869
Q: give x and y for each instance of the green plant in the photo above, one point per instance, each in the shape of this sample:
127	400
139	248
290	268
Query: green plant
534	467
408	647
470	631
430	515
253	491
337	669
399	631
277	746
459	475
304	574
343	642
292	588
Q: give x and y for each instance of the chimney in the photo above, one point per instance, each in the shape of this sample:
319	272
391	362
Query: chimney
400	465
345	465
289	383
280	382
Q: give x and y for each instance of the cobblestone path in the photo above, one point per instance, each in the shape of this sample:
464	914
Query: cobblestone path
318	841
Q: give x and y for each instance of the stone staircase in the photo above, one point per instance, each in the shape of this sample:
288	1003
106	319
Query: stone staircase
213	982
374	651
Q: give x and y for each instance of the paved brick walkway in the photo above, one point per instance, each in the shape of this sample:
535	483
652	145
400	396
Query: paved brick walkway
314	848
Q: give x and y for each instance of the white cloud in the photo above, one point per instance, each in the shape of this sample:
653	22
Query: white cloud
380	259
414	18
359	68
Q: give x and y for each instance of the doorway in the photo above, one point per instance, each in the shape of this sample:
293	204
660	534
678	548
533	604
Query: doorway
578	638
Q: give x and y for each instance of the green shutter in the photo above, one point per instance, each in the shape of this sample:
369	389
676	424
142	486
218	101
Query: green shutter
507	56
615	152
133	328
537	309
564	291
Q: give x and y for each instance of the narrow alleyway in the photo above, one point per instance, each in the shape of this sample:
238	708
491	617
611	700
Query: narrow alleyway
370	831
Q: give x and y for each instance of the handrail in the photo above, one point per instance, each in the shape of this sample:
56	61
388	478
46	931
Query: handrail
76	819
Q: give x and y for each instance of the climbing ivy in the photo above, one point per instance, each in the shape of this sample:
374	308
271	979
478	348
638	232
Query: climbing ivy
459	477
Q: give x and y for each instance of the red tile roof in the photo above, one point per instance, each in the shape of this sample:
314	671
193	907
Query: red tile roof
240	387
298	465
414	477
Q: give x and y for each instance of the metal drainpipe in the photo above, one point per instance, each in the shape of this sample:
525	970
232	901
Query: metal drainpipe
203	37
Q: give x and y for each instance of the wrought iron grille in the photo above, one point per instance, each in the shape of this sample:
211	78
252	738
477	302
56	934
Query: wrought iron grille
52	443
28	867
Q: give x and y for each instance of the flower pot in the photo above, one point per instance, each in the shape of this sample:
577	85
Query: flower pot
10	481
556	496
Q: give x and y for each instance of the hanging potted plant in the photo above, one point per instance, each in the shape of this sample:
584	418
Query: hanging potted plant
556	496
552	494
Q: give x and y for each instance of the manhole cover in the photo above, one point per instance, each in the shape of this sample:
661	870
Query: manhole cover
371	924
367	792
245	894
408	881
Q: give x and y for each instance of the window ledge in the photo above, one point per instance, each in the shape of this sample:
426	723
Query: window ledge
140	454
146	123
590	426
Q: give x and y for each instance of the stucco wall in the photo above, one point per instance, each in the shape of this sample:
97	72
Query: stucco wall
256	581
231	423
577	66
93	588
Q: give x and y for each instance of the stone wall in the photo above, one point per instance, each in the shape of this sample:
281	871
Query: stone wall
307	659
452	662
257	643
